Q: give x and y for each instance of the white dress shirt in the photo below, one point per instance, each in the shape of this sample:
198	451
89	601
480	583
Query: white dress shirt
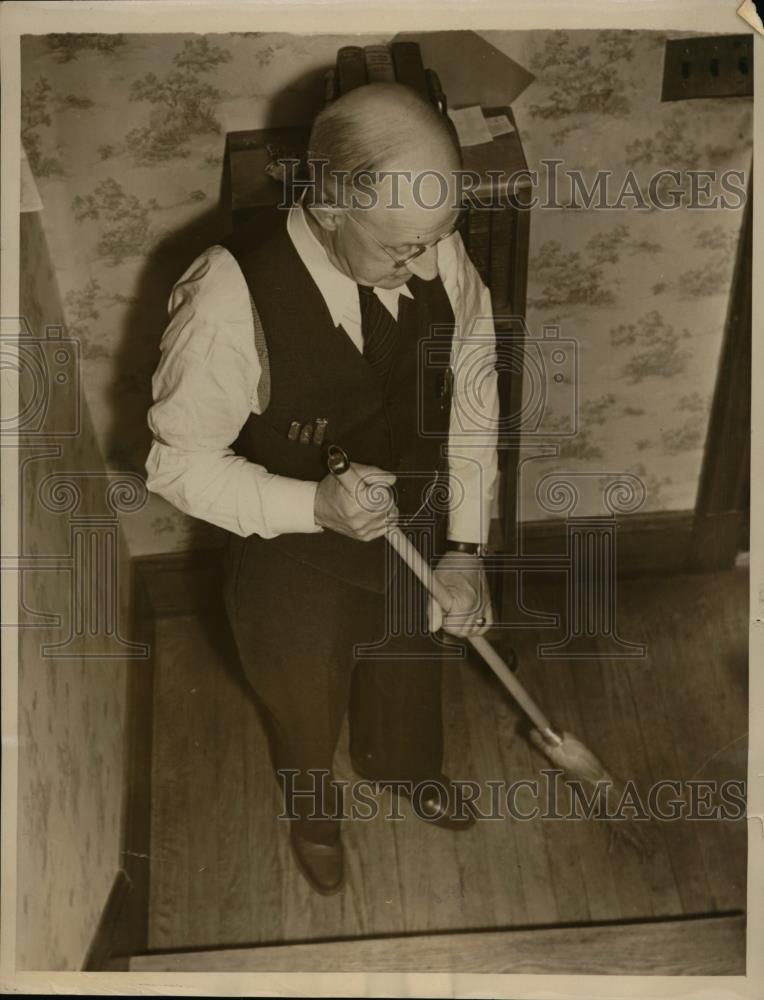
213	373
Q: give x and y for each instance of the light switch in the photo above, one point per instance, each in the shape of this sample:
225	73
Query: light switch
708	66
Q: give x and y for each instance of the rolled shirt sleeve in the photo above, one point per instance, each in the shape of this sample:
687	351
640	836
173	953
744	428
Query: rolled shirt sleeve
204	389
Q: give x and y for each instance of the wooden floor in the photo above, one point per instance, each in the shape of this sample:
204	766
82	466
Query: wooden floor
221	871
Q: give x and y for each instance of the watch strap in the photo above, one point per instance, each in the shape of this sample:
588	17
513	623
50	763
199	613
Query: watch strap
473	548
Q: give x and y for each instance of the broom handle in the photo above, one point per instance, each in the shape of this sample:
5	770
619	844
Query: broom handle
416	563
339	465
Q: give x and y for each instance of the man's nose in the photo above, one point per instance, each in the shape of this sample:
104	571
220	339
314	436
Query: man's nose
425	266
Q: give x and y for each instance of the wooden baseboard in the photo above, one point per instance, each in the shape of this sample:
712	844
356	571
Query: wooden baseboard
660	543
181	582
646	543
715	541
699	946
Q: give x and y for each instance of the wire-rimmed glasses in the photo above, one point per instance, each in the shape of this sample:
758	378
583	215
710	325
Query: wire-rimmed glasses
405	261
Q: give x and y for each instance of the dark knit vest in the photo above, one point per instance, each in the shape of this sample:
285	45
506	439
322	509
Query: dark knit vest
399	424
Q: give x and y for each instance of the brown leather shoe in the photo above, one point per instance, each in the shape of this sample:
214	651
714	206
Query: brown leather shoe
321	864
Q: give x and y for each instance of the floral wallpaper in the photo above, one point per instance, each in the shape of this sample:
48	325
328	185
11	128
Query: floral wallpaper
642	292
71	722
125	134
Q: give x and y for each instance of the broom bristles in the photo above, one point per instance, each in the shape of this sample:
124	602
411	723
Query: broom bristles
573	757
579	763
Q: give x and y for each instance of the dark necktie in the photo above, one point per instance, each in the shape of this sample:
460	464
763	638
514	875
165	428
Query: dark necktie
378	329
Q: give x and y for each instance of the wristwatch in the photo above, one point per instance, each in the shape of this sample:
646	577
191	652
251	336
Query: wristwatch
473	548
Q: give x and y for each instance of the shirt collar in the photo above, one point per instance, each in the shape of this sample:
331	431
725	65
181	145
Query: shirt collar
338	291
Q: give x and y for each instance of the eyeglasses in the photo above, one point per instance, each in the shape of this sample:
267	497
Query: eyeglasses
404	261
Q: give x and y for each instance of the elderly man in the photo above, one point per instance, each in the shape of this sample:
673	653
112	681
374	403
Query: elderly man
313	328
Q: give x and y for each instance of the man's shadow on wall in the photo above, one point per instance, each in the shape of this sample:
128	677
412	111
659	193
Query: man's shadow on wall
129	438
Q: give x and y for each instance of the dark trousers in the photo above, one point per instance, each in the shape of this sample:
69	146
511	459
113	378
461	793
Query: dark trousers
297	630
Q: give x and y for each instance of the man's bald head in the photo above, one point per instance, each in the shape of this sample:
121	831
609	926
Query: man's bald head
382	127
384	188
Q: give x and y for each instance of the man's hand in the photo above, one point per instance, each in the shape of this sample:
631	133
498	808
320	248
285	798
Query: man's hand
463	576
357	506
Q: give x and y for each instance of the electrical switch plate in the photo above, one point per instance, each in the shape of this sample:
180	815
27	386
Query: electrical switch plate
708	66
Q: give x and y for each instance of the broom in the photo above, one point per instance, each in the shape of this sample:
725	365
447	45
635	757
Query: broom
563	749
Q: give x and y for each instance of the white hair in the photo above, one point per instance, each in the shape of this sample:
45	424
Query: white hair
374	127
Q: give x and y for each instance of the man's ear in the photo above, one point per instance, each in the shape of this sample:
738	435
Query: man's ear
329	217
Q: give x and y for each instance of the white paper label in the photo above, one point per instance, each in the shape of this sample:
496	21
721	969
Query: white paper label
499	125
470	126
